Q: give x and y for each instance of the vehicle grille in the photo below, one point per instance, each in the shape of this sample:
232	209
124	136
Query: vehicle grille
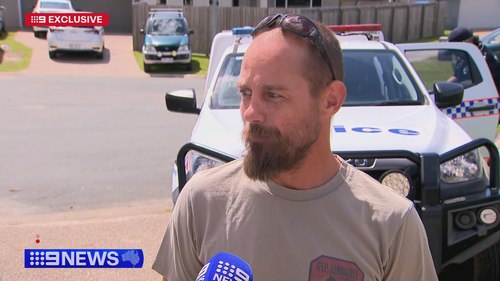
166	48
155	57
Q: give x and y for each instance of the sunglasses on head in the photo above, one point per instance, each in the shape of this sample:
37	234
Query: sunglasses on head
298	25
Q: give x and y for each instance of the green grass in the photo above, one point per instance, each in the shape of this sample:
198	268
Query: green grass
429	39
431	70
199	66
17	57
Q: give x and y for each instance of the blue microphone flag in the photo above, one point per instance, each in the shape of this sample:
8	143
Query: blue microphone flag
227	267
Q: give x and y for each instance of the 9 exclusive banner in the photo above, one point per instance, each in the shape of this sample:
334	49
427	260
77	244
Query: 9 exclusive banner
66	19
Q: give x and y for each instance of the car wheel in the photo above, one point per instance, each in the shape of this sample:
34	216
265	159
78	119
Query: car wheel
52	54
147	67
189	66
100	55
487	264
484	266
36	34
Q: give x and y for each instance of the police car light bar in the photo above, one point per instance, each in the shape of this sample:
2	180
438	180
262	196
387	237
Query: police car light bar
356	28
242	30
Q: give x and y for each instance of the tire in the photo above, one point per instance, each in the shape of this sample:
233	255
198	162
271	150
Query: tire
100	55
189	66
36	34
52	54
147	67
487	264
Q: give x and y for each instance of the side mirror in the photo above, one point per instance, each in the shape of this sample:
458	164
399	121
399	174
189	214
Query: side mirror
183	101
447	94
141	31
191	31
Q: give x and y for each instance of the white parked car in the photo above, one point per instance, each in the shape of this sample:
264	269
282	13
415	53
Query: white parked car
76	39
429	140
50	6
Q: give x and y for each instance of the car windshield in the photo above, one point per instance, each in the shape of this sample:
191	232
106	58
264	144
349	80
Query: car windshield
372	78
54	5
493	36
164	26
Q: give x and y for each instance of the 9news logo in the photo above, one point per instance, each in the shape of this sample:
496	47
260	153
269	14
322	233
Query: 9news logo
83	258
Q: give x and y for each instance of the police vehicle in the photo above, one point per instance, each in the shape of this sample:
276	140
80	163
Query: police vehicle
433	146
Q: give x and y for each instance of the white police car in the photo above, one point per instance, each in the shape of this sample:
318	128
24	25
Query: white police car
390	126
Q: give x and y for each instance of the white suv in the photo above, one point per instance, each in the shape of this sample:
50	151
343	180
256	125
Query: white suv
50	6
428	140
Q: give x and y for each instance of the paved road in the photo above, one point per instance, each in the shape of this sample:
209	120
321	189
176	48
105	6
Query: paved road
87	149
71	144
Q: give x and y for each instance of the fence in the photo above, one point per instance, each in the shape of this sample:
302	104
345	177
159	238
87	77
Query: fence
400	22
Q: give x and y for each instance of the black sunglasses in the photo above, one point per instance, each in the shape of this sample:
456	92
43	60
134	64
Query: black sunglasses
299	25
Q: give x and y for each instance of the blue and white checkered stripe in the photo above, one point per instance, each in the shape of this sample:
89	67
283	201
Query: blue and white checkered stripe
461	111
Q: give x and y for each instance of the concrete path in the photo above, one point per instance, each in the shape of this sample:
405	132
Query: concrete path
119	60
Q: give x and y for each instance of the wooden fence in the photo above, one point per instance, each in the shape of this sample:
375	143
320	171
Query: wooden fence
400	22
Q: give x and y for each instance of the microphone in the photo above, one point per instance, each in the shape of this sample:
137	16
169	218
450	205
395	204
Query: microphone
227	267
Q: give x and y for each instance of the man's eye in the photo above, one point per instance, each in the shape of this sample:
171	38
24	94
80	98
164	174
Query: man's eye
273	95
244	92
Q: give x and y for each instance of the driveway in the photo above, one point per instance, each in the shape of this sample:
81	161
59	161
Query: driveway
118	59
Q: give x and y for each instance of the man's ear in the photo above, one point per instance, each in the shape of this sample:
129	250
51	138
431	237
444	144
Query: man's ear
334	96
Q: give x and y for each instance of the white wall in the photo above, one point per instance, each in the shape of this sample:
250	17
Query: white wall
204	3
225	3
479	14
175	2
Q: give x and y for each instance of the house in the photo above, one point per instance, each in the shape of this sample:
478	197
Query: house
473	14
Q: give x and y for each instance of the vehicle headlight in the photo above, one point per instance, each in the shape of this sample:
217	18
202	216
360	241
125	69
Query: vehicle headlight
150	48
183	48
463	168
199	162
396	180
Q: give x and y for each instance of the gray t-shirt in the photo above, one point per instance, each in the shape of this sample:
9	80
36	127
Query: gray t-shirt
351	228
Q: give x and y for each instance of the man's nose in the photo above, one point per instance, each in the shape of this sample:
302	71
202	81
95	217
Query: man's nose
254	110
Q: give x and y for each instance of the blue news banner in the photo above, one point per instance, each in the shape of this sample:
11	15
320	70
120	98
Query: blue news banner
83	258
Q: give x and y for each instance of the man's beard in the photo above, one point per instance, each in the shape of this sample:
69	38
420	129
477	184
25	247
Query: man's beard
277	154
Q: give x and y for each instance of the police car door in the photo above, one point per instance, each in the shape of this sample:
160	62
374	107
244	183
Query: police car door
437	62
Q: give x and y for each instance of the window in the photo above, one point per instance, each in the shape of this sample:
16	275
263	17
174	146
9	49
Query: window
372	77
165	26
493	37
377	77
444	65
226	95
54	5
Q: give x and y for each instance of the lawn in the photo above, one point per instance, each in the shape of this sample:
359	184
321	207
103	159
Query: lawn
429	39
14	56
199	63
431	70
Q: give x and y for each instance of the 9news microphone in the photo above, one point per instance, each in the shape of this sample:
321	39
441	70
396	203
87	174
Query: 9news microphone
227	267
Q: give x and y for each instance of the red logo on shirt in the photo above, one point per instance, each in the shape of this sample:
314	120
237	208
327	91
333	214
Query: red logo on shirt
326	268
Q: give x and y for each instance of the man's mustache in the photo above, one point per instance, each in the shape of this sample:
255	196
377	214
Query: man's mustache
259	131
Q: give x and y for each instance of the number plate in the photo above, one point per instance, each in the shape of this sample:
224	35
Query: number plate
167	59
75	46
